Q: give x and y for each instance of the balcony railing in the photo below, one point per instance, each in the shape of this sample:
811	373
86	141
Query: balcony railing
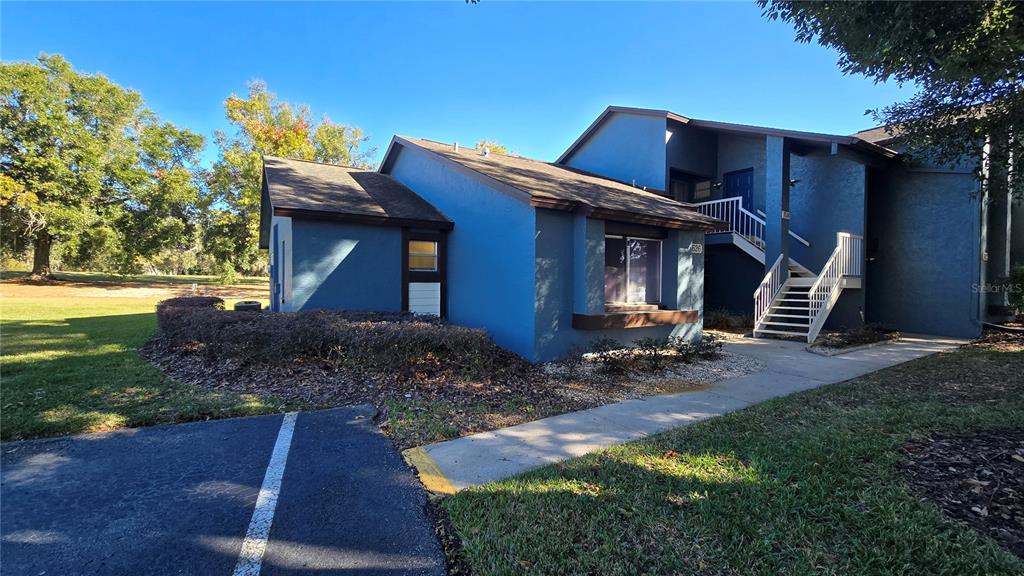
740	220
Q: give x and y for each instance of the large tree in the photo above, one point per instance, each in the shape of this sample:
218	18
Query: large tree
966	58
265	126
82	161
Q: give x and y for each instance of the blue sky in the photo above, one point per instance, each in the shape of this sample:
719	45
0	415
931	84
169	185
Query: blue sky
531	76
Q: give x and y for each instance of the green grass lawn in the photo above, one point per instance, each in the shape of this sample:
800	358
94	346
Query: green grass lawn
69	364
808	484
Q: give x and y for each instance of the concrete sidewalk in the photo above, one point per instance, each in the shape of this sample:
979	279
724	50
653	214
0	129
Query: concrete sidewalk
447	467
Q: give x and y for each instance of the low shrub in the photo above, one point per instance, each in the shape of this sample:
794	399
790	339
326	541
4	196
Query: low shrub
684	350
709	347
651	352
573	361
410	347
722	319
610	356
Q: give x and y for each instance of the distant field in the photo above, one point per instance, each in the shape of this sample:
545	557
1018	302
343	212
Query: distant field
138	278
69	362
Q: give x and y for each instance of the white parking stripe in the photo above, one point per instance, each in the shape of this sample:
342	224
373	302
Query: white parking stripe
250	559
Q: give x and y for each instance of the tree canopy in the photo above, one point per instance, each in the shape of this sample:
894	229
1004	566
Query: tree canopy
967	59
491	145
84	163
265	126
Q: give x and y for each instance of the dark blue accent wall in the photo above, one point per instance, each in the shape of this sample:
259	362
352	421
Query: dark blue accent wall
925	226
692	150
346	266
730	278
739	153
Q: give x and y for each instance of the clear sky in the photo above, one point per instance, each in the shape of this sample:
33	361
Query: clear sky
531	76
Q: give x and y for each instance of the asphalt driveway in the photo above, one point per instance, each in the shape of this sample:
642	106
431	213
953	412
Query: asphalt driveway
330	495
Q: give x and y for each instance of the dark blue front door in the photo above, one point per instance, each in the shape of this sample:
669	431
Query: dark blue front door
741	184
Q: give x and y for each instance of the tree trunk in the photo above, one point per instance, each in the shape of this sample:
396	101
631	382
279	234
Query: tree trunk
41	256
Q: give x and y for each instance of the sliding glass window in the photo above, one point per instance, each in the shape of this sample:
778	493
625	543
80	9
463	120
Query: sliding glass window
632	270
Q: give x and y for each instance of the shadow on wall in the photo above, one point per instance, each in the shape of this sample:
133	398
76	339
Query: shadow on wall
309	281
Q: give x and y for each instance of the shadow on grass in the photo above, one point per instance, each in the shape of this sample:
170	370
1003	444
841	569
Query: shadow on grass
85	374
799	485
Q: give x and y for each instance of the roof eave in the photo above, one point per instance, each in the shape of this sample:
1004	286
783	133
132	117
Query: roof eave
305	213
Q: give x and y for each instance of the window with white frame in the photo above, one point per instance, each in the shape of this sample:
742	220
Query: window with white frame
632	270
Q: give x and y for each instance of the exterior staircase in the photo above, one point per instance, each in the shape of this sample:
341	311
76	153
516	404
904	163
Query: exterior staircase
791	301
789	315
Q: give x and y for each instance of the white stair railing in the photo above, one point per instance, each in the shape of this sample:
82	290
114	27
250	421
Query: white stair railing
769	290
846	260
741	221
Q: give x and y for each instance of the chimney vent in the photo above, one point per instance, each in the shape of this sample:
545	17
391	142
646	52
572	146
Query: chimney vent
456	146
486	151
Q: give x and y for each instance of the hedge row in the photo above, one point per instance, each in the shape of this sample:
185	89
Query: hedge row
405	344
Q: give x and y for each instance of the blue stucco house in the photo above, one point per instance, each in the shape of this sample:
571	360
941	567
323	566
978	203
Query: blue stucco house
542	256
647	220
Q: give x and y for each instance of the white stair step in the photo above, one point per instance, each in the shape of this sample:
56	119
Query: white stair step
777	307
774	323
801	282
783	332
804	316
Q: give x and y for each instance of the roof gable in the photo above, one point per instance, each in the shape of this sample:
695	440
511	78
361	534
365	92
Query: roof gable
558	187
854	141
313	189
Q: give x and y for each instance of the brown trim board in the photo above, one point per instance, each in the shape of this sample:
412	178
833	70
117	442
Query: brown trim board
362	219
633	319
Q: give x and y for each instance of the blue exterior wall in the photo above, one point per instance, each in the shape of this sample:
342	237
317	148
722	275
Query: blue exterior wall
730	278
927	266
830	197
346	266
490	250
627	147
691	150
556	259
739	153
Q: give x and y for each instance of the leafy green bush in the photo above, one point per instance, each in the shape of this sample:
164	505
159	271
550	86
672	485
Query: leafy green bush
228	274
406	345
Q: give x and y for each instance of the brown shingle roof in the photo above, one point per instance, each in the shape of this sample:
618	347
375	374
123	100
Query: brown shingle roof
560	187
877	135
327	190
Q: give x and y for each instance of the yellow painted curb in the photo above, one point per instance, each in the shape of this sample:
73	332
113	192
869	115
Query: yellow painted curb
430	473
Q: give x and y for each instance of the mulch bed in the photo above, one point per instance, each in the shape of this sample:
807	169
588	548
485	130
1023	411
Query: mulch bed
321	383
999	341
868	334
518	392
975	478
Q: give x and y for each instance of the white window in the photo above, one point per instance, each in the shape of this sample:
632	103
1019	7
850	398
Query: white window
422	256
632	270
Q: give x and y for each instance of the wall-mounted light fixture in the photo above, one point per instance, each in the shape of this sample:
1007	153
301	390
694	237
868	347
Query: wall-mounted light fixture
793	183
